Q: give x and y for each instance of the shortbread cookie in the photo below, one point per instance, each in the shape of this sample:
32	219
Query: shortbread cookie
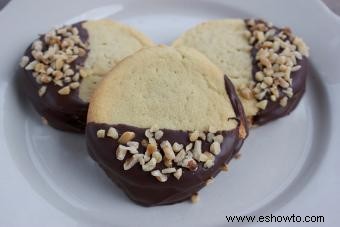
163	123
62	67
267	65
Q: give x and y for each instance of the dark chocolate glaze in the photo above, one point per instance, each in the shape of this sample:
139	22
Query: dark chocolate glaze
274	110
141	186
64	112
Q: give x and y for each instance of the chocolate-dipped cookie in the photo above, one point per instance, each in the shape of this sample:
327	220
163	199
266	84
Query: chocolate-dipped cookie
63	67
163	123
267	65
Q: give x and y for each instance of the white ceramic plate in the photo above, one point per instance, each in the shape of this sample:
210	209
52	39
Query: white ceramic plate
288	166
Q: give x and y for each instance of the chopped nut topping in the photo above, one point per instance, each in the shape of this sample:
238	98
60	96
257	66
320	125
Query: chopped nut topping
210	137
101	133
129	163
218	138
169	170
42	90
215	148
133	144
158	156
74	85
52	56
112	132
197	150
44	121
158	134
209	163
180	156
195	198
190	163
202	136
126	137
121	152
203	158
154	128
209	181
187	157
224	167
283	101
189	147
178	173
168	152
24	61
246	93
150	165
194	136
177	147
159	176
148	133
64	91
242	131
277	55
167	162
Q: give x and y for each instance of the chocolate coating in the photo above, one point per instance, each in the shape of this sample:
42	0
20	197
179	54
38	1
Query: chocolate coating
141	186
274	110
64	112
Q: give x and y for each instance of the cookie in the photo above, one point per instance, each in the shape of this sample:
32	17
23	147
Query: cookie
267	65
63	67
163	123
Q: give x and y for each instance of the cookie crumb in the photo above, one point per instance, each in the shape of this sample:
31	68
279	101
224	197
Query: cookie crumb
195	198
